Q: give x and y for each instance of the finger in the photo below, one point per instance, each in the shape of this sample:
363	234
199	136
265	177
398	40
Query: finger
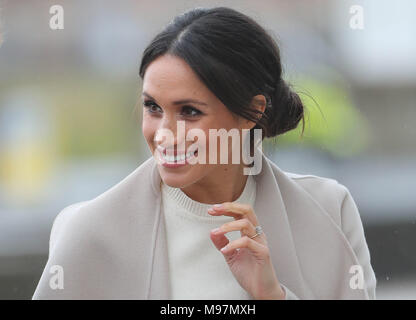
259	250
242	225
236	210
219	240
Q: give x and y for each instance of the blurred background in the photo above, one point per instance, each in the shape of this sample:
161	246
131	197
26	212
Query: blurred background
69	129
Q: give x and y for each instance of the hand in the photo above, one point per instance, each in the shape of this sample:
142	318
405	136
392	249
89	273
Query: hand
248	259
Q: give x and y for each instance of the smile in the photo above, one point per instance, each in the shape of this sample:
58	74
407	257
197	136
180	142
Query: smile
170	158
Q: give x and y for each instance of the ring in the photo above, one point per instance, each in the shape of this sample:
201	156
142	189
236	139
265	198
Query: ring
259	231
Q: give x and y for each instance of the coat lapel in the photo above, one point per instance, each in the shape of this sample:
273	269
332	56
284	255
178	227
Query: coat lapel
272	215
159	284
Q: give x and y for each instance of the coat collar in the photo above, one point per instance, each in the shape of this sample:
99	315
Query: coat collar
309	251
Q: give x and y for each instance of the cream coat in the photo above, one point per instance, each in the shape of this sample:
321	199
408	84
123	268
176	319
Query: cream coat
114	246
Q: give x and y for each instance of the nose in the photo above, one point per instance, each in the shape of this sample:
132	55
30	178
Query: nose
171	132
168	123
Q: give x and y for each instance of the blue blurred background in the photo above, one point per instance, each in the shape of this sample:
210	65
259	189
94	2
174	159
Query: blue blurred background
69	128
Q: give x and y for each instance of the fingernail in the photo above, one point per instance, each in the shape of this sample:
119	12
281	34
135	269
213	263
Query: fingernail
224	249
217	205
216	230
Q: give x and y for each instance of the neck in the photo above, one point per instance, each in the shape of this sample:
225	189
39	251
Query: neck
225	185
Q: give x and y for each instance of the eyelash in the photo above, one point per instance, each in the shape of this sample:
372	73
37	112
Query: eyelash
149	104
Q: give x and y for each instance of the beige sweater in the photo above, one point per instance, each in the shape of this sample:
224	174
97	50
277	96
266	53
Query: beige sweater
197	269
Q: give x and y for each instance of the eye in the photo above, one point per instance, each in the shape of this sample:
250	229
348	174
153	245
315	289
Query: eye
151	107
189	111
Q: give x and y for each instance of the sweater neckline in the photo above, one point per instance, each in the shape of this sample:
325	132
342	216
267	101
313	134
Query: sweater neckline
199	209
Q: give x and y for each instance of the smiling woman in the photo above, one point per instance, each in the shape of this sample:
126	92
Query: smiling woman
169	79
174	229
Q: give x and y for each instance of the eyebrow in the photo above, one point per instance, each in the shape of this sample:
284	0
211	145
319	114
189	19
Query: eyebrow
183	101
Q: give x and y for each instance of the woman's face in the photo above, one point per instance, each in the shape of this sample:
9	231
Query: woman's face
168	82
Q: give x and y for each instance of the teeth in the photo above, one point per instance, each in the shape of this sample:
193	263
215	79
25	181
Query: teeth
171	158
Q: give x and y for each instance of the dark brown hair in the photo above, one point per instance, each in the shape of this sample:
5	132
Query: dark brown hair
236	59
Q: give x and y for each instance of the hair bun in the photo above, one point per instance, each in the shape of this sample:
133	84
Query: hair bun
285	111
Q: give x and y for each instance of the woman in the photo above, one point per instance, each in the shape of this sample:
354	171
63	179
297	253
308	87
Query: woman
177	228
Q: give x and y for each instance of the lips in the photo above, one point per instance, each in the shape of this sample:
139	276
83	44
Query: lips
173	156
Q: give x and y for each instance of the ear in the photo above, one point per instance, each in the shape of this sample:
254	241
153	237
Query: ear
259	103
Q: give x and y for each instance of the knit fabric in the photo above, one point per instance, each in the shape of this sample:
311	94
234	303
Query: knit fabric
197	268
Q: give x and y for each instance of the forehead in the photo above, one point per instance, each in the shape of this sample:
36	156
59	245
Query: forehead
168	75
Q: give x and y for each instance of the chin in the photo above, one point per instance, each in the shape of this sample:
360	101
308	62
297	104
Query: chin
175	178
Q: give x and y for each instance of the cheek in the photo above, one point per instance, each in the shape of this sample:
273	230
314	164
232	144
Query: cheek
149	128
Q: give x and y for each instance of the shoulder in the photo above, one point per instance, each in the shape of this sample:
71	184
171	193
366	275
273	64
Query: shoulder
61	219
101	215
319	186
329	193
315	185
